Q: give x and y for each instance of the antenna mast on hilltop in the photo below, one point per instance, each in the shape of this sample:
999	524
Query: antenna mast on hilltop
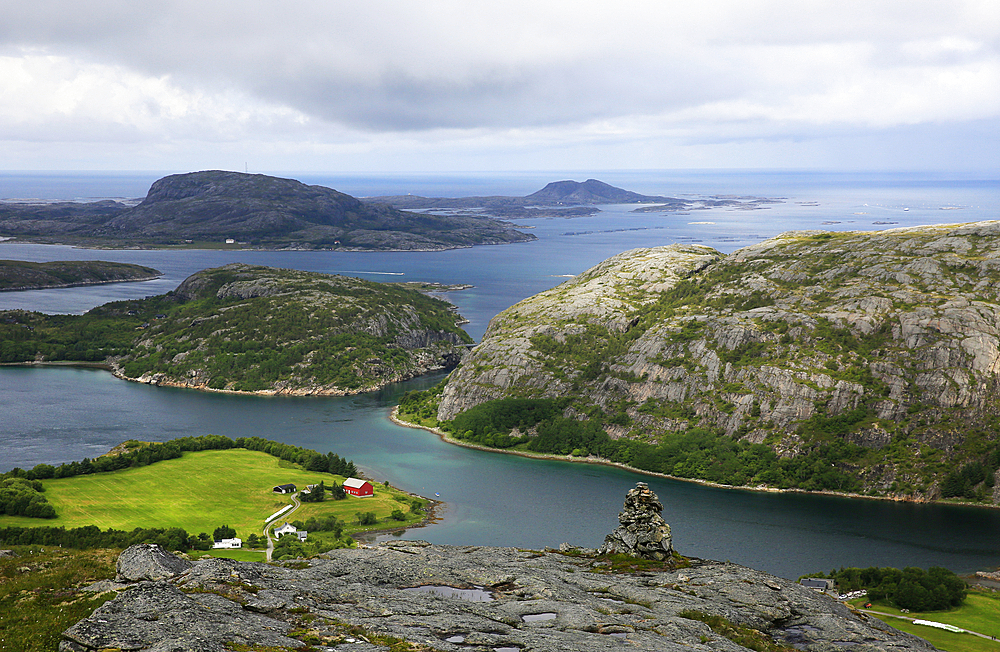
245	168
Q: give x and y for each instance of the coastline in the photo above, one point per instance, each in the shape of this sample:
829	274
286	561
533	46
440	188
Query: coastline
394	418
113	369
81	284
173	247
430	517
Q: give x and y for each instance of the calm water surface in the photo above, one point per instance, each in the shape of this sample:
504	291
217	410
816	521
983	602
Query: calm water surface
491	498
61	414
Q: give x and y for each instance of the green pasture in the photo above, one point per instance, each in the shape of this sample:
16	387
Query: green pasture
199	492
979	613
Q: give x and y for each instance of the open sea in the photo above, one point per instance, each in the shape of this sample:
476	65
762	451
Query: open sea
55	415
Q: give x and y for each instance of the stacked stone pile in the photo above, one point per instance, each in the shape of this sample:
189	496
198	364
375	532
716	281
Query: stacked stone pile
643	532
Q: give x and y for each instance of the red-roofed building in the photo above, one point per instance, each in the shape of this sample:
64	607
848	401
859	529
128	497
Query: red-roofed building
359	488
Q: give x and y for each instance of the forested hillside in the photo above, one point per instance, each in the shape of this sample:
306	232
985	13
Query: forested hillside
246	328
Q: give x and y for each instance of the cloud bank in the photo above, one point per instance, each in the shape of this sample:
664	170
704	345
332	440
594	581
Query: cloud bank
446	84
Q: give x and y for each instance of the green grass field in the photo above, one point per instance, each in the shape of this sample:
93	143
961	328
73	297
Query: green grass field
201	491
980	613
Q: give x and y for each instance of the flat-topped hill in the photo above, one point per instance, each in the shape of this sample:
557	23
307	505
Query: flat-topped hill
252	210
864	362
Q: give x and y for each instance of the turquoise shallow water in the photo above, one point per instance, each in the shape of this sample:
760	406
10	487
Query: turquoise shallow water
61	414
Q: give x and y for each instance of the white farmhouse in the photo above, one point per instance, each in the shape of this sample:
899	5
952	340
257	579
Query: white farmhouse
228	543
288	528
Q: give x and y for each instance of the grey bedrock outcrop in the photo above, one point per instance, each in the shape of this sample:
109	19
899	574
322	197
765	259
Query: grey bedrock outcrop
461	598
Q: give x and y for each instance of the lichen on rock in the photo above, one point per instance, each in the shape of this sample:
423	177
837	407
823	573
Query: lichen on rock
363	600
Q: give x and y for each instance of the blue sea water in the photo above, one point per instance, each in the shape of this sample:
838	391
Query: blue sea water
58	414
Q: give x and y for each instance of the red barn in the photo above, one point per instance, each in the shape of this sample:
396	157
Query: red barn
359	488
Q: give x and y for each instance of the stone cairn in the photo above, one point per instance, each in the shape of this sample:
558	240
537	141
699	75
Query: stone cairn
643	532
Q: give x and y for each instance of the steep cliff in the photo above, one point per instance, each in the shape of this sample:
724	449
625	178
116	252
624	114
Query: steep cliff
874	355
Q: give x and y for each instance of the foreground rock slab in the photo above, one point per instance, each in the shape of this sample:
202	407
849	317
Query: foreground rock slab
471	598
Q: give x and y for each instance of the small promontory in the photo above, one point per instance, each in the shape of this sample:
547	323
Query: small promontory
849	362
18	275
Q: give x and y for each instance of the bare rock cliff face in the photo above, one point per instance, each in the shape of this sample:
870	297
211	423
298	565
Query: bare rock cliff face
897	332
607	295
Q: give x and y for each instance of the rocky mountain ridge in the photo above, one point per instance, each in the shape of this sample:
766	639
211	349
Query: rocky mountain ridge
880	348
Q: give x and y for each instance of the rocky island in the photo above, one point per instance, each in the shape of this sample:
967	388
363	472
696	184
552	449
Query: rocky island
564	199
213	207
411	595
16	275
247	328
849	362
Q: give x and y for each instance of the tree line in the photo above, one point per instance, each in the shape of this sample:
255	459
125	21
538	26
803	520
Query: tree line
911	588
702	453
91	536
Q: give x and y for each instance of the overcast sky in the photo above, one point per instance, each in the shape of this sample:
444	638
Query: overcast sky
463	85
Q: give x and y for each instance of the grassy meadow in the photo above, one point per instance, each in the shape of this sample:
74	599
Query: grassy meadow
201	491
980	613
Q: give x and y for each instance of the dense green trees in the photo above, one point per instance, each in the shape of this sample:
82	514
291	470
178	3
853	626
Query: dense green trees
321	524
973	480
288	546
223	532
911	588
23	497
91	536
314	495
366	518
695	453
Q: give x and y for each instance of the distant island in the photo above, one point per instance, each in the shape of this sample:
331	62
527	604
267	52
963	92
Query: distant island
565	199
244	328
215	208
20	275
